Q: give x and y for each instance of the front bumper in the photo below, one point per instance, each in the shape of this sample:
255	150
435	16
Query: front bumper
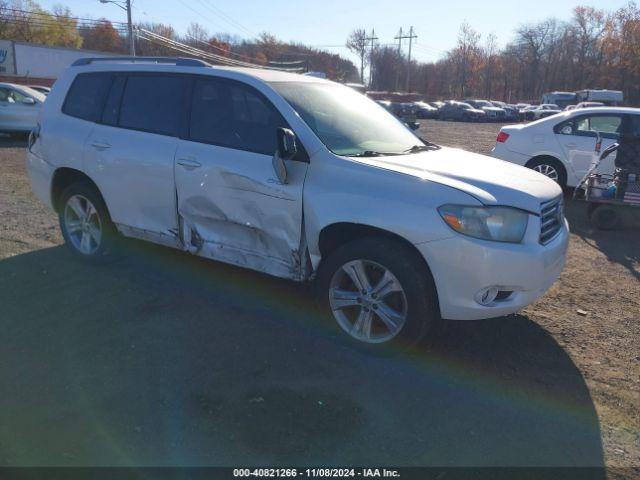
463	266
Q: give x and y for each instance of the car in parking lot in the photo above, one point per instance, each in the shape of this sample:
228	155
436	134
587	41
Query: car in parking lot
19	108
425	110
562	147
460	111
406	112
300	178
542	111
589	104
511	111
492	113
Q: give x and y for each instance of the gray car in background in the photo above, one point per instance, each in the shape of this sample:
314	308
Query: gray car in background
19	108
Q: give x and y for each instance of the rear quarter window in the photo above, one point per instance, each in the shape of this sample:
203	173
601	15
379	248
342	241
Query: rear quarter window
86	96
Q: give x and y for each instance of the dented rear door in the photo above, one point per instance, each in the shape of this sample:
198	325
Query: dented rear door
231	206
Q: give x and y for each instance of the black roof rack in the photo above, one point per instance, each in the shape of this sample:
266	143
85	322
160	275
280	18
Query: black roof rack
178	61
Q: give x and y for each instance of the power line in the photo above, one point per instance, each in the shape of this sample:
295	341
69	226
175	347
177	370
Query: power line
184	48
229	20
53	16
198	13
244	58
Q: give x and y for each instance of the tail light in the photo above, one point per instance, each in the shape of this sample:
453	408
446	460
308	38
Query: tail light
502	137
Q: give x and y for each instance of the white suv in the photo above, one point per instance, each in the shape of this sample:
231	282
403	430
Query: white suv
396	232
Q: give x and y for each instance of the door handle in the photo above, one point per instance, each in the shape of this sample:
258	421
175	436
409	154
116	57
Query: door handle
100	145
189	163
570	145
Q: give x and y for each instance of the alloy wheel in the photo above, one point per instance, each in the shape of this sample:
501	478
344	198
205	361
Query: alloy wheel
368	301
82	222
548	171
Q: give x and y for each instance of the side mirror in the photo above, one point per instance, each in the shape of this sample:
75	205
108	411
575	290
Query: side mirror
286	150
609	150
28	101
598	146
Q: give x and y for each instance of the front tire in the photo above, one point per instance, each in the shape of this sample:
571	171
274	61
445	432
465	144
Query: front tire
85	223
379	292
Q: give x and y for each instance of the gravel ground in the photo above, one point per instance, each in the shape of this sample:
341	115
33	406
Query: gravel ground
94	370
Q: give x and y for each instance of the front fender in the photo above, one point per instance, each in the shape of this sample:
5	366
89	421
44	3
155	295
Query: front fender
339	190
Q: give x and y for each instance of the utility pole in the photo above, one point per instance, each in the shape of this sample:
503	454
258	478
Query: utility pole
132	44
126	6
372	39
399	38
411	37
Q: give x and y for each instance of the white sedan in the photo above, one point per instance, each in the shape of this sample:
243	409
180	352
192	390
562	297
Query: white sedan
562	146
19	108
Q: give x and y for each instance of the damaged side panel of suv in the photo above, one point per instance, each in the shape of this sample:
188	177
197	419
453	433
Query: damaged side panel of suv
249	221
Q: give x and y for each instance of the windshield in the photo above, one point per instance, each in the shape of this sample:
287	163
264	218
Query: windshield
31	93
347	122
466	106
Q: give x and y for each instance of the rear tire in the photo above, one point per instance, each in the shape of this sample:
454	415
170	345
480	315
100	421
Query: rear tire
392	304
85	223
605	217
551	168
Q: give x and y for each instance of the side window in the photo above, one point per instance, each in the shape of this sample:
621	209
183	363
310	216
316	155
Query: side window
5	96
86	96
16	97
233	115
565	128
112	104
607	125
153	103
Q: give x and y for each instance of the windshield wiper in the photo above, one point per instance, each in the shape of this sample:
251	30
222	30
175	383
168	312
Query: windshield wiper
369	153
421	148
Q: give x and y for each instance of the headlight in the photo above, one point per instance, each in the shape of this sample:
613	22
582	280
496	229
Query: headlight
501	224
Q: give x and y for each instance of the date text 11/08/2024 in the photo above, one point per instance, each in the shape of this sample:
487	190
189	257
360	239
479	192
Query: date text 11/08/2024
316	473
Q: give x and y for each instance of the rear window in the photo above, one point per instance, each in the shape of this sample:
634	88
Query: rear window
153	103
86	96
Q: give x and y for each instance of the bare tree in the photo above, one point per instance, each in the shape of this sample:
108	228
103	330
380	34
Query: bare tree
197	35
465	56
532	41
357	43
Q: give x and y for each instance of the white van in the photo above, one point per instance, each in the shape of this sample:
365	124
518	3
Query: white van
300	178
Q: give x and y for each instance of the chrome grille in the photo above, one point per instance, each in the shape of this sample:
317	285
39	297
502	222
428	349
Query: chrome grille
551	217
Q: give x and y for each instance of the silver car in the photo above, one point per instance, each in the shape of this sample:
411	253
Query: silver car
19	108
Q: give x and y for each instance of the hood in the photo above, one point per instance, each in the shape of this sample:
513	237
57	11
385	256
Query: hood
491	181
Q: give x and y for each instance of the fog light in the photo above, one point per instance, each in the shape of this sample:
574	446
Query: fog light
486	296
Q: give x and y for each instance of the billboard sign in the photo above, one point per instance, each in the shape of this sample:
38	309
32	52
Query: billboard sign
7	58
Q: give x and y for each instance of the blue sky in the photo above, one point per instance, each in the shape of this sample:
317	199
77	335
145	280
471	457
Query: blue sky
328	22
